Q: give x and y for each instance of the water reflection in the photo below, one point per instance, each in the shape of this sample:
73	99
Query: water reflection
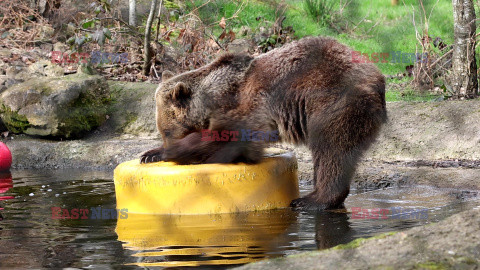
5	184
30	238
194	240
333	228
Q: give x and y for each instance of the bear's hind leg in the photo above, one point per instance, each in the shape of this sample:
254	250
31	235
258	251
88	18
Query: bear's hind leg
332	173
337	140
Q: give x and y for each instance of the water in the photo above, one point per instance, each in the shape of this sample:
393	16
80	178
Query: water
30	238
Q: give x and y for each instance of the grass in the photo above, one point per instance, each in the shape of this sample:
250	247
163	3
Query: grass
322	10
374	25
410	95
407	93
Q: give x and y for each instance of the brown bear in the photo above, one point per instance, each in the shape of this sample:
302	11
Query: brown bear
309	91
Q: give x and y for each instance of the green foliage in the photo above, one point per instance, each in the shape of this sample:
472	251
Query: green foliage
384	28
251	13
170	4
320	10
89	24
94	29
410	95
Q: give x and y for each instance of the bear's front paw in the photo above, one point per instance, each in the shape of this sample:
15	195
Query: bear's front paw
307	204
153	155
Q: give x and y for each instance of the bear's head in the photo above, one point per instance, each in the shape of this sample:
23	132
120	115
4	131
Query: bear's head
187	102
174	104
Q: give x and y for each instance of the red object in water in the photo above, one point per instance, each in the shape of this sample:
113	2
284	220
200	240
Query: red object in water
5	184
5	157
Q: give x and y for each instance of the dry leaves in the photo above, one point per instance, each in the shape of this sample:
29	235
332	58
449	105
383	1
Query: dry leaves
223	23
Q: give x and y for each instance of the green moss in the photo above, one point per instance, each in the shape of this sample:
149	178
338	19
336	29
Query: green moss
431	265
385	267
87	112
14	122
87	69
358	242
354	244
130	117
171	4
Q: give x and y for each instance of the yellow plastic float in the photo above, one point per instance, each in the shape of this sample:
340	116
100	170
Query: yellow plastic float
167	188
201	240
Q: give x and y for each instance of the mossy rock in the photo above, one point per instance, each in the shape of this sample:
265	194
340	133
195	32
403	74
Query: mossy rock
64	107
2	126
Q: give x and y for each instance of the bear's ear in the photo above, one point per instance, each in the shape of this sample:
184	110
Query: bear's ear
181	92
167	74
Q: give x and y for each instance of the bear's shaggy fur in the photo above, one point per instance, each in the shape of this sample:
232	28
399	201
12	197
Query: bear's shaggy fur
309	91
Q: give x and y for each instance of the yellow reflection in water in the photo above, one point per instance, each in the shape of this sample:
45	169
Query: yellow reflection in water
194	240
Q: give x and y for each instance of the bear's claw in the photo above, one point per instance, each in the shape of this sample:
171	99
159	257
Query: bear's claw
154	155
307	204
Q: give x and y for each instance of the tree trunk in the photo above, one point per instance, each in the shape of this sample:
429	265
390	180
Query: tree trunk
46	8
132	12
148	29
464	67
158	20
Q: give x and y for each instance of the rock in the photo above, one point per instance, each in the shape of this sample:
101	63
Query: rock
9	82
240	46
54	71
244	30
65	107
5	53
45	68
46	47
23	76
46	33
453	243
60	47
38	67
86	69
17	74
13	71
3	128
3	67
3	79
66	31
